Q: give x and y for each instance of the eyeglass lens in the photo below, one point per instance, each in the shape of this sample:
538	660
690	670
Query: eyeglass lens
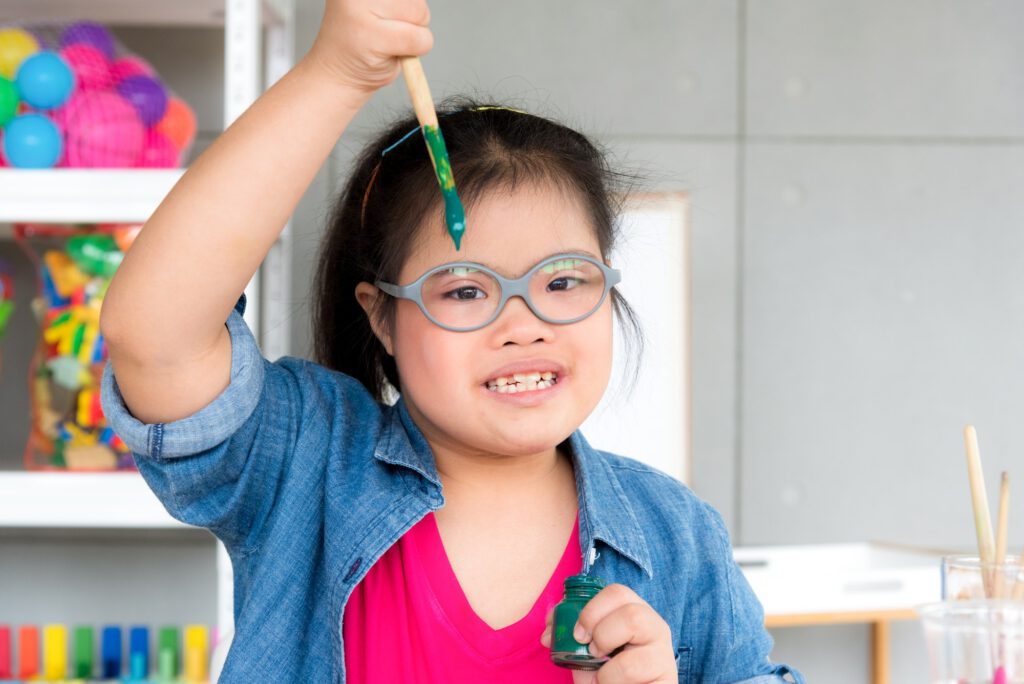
561	290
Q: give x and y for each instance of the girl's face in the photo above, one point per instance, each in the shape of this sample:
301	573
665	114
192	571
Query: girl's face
445	375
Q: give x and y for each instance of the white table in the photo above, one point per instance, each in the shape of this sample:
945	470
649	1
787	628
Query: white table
828	584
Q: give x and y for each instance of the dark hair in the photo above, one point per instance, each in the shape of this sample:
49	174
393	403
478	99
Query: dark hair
387	198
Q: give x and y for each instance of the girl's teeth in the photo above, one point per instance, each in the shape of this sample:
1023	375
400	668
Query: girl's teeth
523	382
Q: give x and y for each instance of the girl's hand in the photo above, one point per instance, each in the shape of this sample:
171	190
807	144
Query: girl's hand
618	618
360	40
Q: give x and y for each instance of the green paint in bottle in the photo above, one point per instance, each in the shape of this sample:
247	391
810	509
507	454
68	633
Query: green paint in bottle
565	650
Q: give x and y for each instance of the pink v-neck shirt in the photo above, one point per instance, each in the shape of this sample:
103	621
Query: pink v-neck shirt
410	621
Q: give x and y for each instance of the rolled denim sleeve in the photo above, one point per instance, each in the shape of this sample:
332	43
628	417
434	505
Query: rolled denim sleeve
206	428
221	467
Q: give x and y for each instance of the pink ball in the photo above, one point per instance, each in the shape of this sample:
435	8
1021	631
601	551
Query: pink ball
103	131
91	66
125	67
158	152
61	114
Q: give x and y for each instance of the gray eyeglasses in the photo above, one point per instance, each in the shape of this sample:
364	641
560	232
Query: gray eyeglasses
464	296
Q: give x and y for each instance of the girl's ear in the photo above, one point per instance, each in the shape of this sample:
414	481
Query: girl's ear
368	297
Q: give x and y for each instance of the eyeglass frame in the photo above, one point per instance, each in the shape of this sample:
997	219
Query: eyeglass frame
510	287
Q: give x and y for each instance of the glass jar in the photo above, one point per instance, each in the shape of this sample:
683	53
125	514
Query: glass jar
565	650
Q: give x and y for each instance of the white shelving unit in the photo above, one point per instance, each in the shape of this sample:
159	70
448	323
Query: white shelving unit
258	49
106	501
82	195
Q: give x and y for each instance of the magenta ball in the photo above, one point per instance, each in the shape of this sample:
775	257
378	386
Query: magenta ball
147	95
91	67
61	114
103	131
158	152
89	33
123	67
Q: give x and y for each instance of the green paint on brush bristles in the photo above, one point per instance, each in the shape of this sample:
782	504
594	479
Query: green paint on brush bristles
454	213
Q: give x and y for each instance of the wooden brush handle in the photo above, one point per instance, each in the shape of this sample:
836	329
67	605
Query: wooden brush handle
419	91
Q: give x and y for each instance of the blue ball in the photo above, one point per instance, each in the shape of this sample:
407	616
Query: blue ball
45	80
32	141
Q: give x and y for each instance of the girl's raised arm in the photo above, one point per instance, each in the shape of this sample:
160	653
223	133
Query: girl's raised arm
163	316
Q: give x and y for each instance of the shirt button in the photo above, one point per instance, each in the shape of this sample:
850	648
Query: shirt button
354	569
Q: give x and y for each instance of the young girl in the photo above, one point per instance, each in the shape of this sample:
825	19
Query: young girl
424	541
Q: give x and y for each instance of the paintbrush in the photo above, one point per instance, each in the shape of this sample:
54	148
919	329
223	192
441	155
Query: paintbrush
423	104
979	502
1001	524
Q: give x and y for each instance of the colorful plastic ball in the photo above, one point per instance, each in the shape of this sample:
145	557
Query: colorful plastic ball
123	67
32	141
158	151
147	95
3	159
8	101
45	80
15	46
60	115
91	67
179	123
89	33
103	131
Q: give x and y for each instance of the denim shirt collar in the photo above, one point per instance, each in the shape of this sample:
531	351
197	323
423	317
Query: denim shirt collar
605	511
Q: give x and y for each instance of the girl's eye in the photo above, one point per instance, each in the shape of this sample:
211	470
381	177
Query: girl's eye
466	293
564	283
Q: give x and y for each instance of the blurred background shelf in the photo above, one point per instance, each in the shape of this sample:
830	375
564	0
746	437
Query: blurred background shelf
139	12
82	195
81	500
103	538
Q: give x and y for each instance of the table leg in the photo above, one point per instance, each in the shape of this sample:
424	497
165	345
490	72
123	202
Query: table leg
880	652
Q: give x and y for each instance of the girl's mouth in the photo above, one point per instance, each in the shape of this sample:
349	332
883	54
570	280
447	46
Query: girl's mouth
522	382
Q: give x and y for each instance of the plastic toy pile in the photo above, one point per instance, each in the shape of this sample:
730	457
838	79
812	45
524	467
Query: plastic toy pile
72	96
76	264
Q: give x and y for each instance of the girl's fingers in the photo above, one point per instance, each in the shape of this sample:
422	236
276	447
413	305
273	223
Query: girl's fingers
545	637
641	665
634	624
411	11
607	601
405	39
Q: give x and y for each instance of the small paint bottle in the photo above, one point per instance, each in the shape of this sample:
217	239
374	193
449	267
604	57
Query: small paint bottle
565	650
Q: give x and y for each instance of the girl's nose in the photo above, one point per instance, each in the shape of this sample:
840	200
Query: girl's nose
517	324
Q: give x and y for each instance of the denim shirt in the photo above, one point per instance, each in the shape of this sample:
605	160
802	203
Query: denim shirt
308	480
